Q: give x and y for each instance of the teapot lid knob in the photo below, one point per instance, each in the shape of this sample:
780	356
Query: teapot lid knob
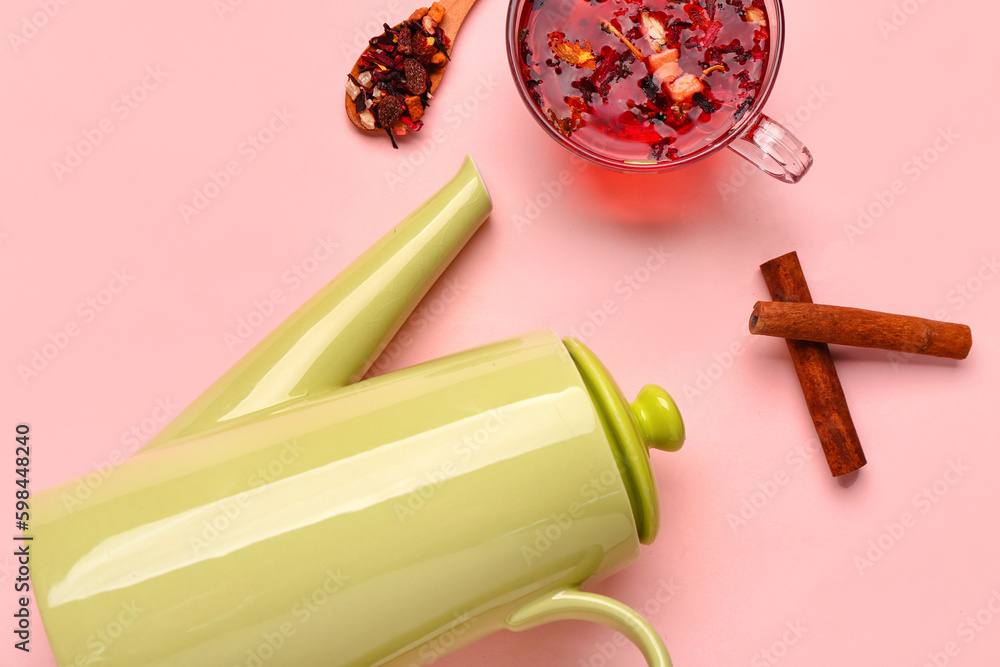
658	419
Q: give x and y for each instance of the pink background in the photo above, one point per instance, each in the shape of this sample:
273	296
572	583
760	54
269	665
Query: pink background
865	99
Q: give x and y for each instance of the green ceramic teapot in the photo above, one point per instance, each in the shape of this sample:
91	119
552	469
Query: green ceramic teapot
293	515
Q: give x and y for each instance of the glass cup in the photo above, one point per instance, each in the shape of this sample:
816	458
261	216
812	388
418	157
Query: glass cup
755	136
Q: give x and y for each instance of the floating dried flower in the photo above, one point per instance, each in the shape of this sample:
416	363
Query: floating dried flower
572	52
654	30
757	15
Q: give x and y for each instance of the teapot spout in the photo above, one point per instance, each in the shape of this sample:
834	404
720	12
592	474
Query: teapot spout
332	339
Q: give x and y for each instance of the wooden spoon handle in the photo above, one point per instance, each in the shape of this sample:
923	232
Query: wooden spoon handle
454	16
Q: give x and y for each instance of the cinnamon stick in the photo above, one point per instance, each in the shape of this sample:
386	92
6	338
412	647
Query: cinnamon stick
861	328
818	376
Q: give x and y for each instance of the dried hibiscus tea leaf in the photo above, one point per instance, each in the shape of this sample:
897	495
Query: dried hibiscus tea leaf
702	101
697	13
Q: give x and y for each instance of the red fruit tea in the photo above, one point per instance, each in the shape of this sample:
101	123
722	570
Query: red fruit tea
643	81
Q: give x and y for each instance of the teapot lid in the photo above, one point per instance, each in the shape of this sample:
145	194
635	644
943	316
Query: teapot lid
651	420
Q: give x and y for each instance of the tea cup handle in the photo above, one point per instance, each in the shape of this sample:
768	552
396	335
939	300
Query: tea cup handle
774	150
572	604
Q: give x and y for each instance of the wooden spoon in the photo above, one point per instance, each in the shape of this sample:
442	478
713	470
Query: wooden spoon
454	16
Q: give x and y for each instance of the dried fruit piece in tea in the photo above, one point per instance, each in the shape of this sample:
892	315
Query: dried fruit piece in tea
416	76
388	111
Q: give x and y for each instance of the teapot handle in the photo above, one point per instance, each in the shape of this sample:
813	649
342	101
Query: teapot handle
572	604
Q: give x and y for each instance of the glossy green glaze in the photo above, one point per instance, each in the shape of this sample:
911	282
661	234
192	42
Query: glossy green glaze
333	338
359	527
652	420
292	518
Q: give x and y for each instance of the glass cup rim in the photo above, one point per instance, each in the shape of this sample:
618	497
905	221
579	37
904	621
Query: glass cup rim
749	119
